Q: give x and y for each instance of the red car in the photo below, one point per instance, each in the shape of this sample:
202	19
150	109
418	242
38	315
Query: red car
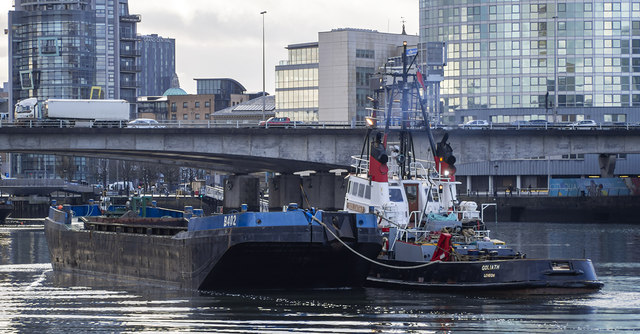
278	121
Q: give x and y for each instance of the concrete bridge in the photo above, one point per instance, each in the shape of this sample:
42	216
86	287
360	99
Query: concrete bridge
248	150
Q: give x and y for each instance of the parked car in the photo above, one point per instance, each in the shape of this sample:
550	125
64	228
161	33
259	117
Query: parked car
279	122
144	123
587	123
476	124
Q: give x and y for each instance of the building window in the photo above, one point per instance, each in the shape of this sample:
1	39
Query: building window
207	116
174	107
185	104
197	115
207	104
48	46
197	104
363	75
174	117
26	80
185	116
367	54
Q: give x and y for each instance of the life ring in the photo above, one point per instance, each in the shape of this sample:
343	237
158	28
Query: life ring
385	244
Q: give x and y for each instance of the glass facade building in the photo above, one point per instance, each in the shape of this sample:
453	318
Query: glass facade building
157	64
70	49
63	49
221	88
297	83
52	51
520	60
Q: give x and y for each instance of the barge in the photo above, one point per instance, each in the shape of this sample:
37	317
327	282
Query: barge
256	250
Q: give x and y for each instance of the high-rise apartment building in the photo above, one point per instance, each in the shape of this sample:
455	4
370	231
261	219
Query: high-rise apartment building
518	60
63	49
70	49
157	64
328	80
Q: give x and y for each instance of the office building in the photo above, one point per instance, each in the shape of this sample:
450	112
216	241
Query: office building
297	83
157	64
328	80
505	58
224	89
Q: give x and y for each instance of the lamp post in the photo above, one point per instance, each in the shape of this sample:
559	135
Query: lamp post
263	65
555	67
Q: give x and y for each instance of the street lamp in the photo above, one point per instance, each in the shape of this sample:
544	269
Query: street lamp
555	68
263	81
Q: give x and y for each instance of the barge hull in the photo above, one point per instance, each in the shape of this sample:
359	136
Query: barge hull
254	257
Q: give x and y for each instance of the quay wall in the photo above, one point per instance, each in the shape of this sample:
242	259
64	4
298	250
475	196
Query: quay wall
585	209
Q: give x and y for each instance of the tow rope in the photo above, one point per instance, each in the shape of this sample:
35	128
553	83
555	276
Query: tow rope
313	217
366	258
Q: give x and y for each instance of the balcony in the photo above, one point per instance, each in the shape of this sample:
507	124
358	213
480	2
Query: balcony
128	84
129	37
130	18
130	53
130	68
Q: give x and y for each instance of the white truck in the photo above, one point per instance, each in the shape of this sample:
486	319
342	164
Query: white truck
70	113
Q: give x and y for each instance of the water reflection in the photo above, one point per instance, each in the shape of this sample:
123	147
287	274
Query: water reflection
35	299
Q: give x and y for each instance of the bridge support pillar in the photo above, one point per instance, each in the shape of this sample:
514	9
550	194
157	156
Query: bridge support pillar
284	189
492	184
241	189
324	191
607	164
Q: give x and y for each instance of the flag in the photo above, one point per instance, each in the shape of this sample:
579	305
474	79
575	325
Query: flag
420	78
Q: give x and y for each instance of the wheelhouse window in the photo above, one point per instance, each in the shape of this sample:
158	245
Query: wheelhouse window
395	195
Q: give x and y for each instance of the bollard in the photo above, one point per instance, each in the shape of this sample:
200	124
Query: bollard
67	213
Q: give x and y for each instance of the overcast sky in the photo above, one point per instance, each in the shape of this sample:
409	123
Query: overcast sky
223	39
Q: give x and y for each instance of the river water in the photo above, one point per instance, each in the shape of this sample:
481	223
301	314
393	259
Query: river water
34	299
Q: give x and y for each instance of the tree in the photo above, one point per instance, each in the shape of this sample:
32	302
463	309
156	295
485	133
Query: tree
66	167
149	174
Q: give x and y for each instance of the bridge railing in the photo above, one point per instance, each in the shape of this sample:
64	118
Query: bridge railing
203	124
209	124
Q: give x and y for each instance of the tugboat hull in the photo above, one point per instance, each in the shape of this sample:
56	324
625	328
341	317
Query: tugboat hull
529	276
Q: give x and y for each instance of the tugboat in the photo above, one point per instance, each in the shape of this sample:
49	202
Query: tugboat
432	241
294	248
